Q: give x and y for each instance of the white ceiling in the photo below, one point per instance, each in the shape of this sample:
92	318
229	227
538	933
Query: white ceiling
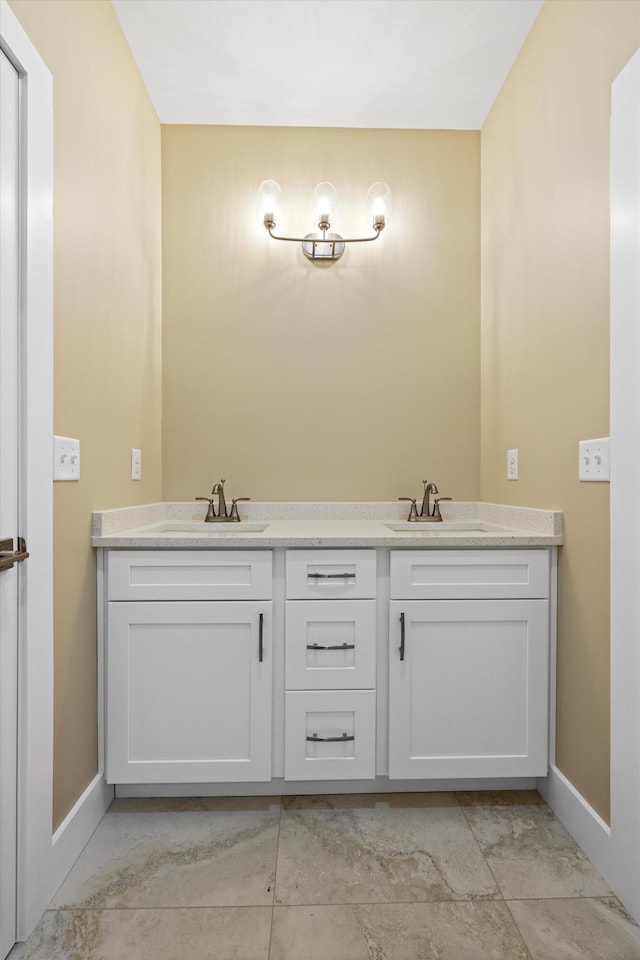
414	64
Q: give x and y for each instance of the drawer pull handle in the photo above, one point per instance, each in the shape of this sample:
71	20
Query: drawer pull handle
331	576
340	646
261	638
343	739
402	636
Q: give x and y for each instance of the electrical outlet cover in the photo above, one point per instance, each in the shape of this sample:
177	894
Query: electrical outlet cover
512	464
136	464
593	462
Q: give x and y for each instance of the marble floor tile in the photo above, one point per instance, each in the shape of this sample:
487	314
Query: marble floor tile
389	931
373	849
355	877
232	933
217	853
532	855
366	801
581	929
498	798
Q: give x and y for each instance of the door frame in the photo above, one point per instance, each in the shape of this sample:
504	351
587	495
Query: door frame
9	459
625	480
35	655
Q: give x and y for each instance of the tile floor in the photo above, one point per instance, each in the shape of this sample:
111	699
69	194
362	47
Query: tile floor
455	876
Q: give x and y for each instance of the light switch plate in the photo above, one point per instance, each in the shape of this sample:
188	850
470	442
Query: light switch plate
66	458
593	463
512	464
136	464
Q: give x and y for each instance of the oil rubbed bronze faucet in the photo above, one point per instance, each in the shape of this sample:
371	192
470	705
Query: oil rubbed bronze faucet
222	516
426	514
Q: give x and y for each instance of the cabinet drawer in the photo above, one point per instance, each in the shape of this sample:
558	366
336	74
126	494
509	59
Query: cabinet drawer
330	735
331	574
469	574
189	575
330	644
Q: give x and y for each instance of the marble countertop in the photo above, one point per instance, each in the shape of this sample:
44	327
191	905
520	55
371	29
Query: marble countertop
339	524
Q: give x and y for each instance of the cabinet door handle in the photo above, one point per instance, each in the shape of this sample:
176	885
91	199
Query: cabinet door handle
331	576
402	636
261	638
343	739
340	646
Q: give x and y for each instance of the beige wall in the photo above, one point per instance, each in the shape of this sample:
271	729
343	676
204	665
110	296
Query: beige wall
349	381
545	331
352	381
107	316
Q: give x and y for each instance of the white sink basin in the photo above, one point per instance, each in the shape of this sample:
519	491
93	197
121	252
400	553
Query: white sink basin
450	528
212	529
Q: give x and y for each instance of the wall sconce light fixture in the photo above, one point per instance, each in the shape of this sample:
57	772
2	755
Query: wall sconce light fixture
324	245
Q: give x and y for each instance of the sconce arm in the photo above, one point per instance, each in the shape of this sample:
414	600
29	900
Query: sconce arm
270	226
378	230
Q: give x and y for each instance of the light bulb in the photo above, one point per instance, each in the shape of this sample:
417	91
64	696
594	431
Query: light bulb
379	204
378	208
269	202
325	204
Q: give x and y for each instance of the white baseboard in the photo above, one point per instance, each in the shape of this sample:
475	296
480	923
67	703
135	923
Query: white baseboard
72	835
586	826
612	855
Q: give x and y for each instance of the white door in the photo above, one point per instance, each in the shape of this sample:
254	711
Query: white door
32	129
9	290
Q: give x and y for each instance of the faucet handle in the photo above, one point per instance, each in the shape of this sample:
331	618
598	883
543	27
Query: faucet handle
436	506
234	515
413	510
210	511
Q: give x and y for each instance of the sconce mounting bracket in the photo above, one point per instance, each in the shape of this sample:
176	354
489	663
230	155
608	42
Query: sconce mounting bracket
323	246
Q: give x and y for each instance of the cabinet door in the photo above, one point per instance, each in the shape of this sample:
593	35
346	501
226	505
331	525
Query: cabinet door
468	693
189	690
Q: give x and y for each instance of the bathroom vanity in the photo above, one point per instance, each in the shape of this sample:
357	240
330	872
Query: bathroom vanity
325	645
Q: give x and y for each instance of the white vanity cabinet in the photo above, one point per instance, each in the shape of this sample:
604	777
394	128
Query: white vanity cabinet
228	665
189	666
330	667
468	663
